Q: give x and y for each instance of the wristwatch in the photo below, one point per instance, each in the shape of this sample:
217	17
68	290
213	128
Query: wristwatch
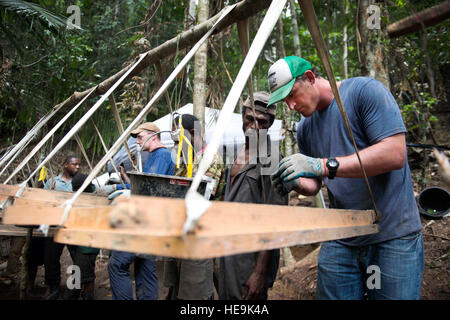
332	166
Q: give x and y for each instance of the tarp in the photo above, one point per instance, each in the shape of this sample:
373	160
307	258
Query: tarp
233	134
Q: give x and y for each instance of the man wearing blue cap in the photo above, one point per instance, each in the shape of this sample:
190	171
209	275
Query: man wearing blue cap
346	267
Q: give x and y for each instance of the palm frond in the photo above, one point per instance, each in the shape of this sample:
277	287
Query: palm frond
25	8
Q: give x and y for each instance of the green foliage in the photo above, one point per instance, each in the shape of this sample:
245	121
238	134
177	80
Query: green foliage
43	63
28	9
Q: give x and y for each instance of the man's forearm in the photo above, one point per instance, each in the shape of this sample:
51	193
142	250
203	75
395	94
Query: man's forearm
308	186
387	155
262	262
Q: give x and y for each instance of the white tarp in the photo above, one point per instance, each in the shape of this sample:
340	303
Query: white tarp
233	134
233	138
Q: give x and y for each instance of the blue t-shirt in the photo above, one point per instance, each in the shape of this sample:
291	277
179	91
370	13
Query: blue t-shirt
159	161
373	115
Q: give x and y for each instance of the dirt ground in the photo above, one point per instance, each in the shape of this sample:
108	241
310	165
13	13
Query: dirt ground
298	282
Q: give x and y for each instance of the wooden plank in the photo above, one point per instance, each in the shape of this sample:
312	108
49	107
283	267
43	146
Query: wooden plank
154	226
154	214
196	247
13	231
58	197
167	215
32	215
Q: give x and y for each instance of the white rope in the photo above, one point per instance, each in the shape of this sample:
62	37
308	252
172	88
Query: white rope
68	204
106	150
45	139
196	205
86	117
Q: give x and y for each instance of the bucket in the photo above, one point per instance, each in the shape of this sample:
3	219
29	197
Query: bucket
158	185
434	202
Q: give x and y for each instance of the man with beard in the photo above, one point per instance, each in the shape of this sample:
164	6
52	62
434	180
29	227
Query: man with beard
53	250
249	276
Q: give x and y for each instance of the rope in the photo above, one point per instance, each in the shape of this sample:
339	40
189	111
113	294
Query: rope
196	205
112	102
106	150
244	42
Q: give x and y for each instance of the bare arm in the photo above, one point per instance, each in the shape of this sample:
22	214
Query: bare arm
387	155
308	186
254	287
125	177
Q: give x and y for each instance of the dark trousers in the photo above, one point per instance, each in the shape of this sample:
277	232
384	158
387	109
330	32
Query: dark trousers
52	255
119	276
86	262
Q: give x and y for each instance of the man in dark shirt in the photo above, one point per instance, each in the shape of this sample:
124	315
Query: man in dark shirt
249	276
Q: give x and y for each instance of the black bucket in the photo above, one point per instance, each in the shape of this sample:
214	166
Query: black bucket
434	202
158	185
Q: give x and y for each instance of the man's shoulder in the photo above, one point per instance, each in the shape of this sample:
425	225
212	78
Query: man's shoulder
161	152
356	85
359	80
50	183
216	168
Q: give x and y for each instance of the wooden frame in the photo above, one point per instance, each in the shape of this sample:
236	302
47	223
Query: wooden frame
152	225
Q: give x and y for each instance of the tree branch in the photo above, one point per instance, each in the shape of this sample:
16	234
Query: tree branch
243	10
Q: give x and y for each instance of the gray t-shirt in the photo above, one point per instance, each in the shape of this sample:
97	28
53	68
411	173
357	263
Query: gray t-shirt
373	115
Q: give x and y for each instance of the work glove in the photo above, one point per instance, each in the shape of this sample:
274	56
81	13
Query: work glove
284	187
299	165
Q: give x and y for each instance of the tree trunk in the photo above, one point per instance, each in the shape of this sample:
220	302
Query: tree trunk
295	33
345	44
200	68
190	17
282	51
327	19
428	64
373	36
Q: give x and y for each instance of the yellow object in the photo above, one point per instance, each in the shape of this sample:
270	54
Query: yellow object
42	173
190	151
180	143
189	166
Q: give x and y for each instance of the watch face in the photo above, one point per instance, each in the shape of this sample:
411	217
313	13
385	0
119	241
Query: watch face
333	163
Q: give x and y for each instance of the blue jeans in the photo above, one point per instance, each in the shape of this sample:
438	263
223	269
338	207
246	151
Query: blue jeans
119	276
389	270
